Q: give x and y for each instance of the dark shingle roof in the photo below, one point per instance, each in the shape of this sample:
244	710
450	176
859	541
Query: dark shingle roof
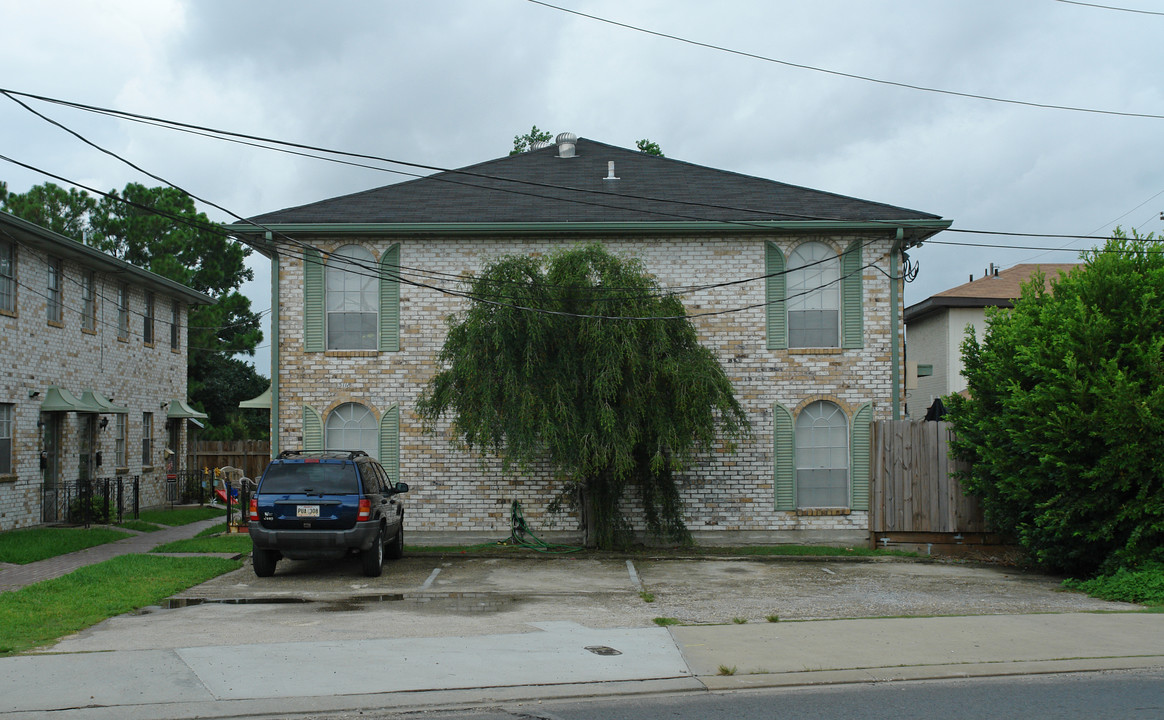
540	187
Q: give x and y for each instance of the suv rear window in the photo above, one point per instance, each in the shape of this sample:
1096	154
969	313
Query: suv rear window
310	479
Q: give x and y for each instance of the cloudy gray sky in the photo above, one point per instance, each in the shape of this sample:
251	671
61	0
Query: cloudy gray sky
448	83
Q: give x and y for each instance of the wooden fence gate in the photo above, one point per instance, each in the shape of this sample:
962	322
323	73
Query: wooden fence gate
914	497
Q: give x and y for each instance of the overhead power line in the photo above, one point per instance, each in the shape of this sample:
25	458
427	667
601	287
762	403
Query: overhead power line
231	136
838	73
377	271
1111	7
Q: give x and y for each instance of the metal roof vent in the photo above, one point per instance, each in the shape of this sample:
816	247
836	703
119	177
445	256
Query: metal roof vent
539	145
566	144
610	171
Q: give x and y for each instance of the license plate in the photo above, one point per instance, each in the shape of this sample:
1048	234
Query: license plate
307	511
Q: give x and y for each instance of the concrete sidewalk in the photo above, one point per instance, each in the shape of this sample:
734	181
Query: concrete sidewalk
564	660
274	661
14	577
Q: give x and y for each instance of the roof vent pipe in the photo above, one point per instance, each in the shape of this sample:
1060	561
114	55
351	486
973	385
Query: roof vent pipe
566	144
610	171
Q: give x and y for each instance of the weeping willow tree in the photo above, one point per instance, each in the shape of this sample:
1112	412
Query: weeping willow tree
580	360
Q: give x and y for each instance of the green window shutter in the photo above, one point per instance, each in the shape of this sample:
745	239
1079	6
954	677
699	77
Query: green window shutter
852	301
312	429
390	300
313	290
774	297
390	442
859	454
784	458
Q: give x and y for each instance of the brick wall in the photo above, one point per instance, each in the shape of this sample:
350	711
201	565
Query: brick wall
35	354
725	493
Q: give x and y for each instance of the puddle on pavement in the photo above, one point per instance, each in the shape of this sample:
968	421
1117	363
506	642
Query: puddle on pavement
441	603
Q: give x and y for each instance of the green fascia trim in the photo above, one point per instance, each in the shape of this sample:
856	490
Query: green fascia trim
276	314
919	229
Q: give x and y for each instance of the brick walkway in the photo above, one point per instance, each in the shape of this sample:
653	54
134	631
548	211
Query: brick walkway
14	577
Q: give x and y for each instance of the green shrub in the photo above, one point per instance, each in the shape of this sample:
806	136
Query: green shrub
92	510
1064	424
1144	586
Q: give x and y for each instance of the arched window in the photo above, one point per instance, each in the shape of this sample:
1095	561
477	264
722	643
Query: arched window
353	301
352	426
822	456
814	296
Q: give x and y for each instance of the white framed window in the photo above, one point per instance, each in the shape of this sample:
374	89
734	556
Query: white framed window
352	299
822	456
6	438
351	426
7	276
55	302
122	312
814	296
147	439
121	433
89	301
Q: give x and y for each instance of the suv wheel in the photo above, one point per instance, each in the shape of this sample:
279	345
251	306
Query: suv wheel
264	562
372	559
396	549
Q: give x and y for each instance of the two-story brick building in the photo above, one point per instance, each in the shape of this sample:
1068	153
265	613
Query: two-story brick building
92	373
798	292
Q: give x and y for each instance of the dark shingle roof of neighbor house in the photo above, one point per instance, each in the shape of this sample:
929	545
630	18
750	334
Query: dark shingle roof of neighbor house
541	187
996	289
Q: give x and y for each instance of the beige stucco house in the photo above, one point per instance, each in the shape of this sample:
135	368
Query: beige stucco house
936	327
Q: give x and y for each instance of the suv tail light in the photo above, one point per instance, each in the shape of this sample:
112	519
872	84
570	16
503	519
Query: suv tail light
254	509
365	509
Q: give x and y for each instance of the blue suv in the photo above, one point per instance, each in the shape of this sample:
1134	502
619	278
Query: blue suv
325	505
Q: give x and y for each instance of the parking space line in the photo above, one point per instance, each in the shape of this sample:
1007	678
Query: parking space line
431	577
634	576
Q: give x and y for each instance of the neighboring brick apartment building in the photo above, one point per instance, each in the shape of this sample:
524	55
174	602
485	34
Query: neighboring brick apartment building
936	326
92	372
789	286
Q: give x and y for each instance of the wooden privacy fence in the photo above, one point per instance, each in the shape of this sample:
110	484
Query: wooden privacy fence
913	489
251	456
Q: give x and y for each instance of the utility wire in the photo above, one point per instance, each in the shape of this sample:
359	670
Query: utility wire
852	76
1110	7
228	135
294	241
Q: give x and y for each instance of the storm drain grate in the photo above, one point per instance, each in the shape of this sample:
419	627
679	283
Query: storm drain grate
602	650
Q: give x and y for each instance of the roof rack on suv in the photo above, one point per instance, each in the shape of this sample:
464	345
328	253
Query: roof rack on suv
345	454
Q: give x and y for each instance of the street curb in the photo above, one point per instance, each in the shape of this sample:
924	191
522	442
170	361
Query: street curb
720	683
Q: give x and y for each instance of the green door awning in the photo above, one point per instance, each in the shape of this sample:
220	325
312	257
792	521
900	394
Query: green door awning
179	409
262	401
58	399
91	397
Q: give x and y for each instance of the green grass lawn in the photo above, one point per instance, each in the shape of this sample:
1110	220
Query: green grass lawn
181	516
39	614
232	543
26	546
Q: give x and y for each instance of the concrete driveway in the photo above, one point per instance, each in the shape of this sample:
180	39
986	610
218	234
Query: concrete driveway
452	595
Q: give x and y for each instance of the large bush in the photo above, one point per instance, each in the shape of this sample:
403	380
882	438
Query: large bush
1064	425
